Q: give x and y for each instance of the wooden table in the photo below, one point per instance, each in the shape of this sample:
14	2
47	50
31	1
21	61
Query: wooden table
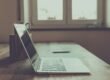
22	70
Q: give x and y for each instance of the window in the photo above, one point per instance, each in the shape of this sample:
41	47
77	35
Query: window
74	12
84	9
48	10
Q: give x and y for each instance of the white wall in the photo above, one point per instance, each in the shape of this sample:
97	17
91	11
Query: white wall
108	13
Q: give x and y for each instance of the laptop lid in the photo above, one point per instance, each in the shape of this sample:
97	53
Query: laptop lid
26	41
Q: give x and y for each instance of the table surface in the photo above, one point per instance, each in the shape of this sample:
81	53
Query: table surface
22	70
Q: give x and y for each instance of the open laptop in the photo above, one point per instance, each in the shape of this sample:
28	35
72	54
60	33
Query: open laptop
47	64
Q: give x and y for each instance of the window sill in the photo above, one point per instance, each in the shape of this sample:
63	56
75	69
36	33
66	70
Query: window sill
102	28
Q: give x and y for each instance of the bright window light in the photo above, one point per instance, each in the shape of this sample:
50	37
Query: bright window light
84	9
50	9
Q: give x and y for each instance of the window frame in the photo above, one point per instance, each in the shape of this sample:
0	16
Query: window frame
67	16
84	22
34	16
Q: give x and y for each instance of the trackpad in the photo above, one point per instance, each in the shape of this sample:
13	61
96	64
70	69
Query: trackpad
75	65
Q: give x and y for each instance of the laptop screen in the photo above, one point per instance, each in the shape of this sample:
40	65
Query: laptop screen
28	44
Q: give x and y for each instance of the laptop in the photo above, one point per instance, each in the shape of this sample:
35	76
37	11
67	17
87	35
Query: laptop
47	64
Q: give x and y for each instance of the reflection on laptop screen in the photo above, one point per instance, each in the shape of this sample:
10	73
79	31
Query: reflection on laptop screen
28	44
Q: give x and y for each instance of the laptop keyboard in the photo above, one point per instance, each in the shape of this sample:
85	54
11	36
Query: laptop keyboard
53	65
